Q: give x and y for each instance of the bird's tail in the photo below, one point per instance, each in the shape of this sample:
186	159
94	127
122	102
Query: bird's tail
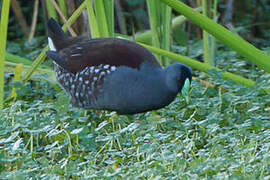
56	35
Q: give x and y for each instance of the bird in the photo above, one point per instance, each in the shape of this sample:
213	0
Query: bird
113	74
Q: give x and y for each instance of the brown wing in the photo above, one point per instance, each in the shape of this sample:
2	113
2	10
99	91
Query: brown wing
111	51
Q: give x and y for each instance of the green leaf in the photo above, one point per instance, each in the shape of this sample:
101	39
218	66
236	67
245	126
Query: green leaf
3	40
185	90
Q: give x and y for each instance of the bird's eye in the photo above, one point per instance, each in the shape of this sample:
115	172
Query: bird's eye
180	80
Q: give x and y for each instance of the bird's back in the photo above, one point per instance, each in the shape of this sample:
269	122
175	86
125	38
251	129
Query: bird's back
111	51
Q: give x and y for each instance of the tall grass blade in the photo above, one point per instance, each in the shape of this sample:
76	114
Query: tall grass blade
166	30
51	10
17	59
109	11
17	78
213	39
152	7
160	23
3	40
93	25
205	36
101	18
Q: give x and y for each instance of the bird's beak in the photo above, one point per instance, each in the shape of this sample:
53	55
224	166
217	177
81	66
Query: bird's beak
185	90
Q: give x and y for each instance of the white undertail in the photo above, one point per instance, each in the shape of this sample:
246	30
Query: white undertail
51	45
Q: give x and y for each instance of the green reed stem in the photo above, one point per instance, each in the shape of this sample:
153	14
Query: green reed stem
213	39
101	18
109	12
205	36
166	12
154	24
51	10
3	41
92	20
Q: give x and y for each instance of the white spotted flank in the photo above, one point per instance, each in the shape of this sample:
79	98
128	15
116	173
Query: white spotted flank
84	85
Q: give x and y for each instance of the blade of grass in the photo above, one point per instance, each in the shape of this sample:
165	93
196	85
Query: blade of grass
17	59
213	39
3	40
121	19
109	11
101	18
17	77
41	71
234	42
166	30
205	37
51	10
160	22
154	25
92	20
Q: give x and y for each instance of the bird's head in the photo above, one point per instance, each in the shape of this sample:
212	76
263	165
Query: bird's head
178	78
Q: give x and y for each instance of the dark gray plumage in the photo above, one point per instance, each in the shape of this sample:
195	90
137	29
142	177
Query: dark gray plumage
113	74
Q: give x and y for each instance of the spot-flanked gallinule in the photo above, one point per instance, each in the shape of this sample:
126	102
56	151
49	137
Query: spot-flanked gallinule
113	74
